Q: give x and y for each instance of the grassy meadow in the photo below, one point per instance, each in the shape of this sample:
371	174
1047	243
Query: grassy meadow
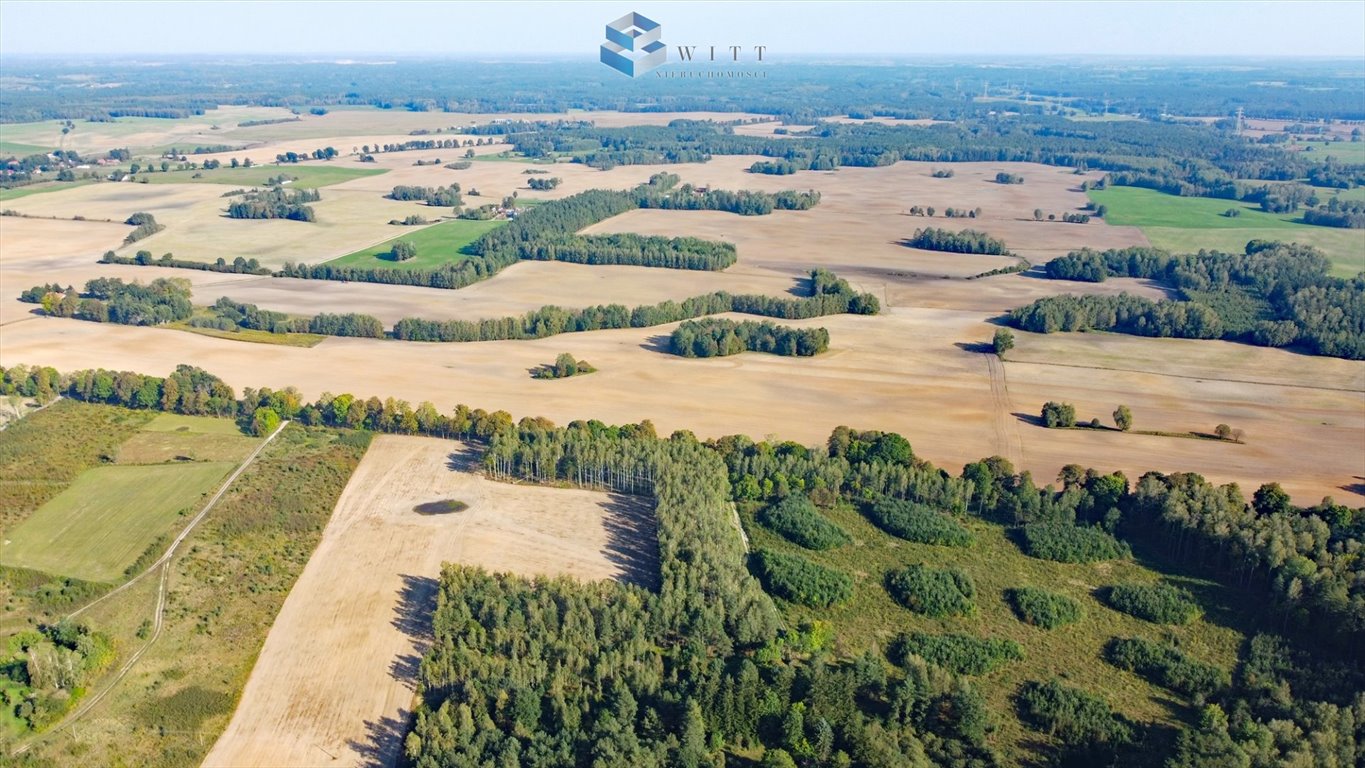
1186	224
311	175
437	244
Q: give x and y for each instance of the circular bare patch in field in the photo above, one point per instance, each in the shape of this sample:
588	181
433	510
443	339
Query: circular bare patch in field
442	507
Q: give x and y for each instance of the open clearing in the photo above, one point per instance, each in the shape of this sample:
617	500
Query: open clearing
334	682
1187	224
100	524
438	244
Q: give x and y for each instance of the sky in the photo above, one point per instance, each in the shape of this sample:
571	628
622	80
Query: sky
797	29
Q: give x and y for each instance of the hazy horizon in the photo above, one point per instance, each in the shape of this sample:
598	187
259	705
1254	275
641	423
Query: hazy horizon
795	31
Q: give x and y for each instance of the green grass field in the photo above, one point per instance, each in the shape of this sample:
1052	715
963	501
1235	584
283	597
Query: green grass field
872	618
36	189
1350	152
100	524
306	174
203	425
1185	224
253	336
16	149
436	245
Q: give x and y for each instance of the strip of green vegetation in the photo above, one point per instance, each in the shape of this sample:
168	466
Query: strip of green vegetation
100	524
438	244
304	175
1187	224
15	193
254	336
202	425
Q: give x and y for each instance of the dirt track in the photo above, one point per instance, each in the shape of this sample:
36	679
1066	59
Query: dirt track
334	682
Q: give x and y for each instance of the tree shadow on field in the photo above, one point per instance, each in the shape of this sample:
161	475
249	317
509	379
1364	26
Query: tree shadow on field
660	343
383	742
1029	418
465	458
804	287
632	545
977	347
1357	488
382	746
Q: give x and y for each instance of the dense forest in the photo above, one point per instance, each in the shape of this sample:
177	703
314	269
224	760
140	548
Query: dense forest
556	672
1273	295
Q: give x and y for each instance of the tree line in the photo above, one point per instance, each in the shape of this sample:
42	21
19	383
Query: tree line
110	300
275	203
965	241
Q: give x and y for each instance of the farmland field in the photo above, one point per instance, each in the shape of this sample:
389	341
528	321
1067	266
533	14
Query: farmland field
1187	224
355	620
437	244
308	174
100	524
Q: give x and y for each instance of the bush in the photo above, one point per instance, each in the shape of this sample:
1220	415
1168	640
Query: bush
1066	543
1157	603
797	520
1041	608
1075	717
797	579
936	592
1166	666
916	522
958	653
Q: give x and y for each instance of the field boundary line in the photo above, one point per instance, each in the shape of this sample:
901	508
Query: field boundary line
1193	378
159	614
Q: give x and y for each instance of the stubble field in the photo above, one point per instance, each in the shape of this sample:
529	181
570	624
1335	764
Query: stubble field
334	681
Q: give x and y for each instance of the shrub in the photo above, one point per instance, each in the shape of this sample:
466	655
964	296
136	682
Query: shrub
1042	608
1157	603
797	520
797	579
1066	543
1073	716
958	653
1166	666
936	592
916	522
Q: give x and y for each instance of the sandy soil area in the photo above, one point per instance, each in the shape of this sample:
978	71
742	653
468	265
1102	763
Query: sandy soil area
334	682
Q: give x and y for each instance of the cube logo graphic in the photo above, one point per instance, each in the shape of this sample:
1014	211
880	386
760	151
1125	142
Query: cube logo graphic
633	46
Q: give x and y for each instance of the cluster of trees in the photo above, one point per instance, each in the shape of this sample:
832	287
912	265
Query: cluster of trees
718	337
796	519
943	173
1008	178
1084	723
1068	217
831	295
564	366
110	300
958	653
936	592
917	522
965	241
442	197
1158	603
144	225
403	250
794	578
48	668
1347	214
1042	608
544	184
1057	415
1273	295
1167	666
1065	543
321	153
411	220
275	203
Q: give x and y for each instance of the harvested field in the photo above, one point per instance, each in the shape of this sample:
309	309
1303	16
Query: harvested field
334	680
